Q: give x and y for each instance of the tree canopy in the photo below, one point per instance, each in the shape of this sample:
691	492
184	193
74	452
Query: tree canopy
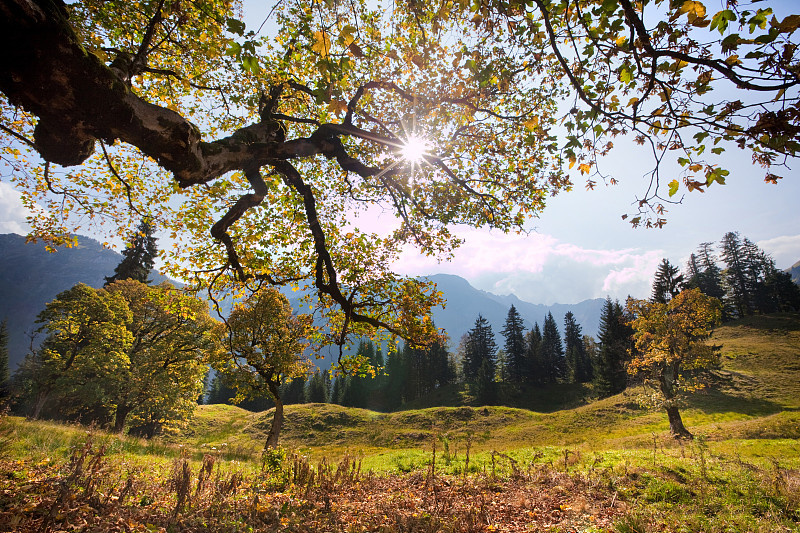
253	152
266	344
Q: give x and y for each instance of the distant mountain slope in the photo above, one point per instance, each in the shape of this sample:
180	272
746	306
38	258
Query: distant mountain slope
30	277
795	272
465	302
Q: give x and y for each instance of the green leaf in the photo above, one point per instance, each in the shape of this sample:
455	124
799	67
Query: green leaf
250	63
673	187
721	19
235	26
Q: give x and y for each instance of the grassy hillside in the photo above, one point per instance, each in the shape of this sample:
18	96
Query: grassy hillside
607	465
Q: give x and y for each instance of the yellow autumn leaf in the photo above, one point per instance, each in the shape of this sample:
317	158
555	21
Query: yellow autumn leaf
532	123
337	107
585	168
733	60
322	43
695	8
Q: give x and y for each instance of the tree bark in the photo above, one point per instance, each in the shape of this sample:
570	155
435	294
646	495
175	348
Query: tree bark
41	399
277	417
676	426
667	379
123	410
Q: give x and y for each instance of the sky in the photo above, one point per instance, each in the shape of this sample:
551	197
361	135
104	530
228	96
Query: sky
580	248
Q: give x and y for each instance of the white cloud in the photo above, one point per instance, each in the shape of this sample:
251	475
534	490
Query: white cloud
540	269
784	249
12	212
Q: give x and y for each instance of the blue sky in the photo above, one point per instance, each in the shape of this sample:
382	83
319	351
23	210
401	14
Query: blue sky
581	248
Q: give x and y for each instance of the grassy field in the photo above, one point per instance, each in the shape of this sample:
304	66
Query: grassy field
607	465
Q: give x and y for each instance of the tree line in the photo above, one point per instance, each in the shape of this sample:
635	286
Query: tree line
747	282
535	358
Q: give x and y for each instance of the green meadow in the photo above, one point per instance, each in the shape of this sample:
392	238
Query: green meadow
607	465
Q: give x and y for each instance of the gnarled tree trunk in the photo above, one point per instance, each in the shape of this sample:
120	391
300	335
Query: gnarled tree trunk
667	385
676	426
277	417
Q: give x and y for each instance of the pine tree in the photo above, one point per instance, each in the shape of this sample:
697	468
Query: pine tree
138	259
534	365
5	372
737	295
614	339
579	366
667	283
552	351
316	391
480	346
514	333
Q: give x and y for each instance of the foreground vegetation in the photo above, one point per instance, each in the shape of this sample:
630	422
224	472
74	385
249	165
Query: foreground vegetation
604	466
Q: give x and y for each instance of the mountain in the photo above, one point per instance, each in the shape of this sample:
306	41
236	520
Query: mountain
795	272
465	303
30	276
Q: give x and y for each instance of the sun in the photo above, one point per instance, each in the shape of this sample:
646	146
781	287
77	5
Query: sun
415	149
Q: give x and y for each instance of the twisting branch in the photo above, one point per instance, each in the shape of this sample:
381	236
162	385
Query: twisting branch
718	65
140	59
119	178
325	271
220	230
18	136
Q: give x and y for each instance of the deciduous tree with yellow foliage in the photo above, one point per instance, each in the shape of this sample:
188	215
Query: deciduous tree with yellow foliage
266	343
671	346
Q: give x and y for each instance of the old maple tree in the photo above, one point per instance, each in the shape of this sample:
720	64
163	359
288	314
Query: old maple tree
254	151
672	348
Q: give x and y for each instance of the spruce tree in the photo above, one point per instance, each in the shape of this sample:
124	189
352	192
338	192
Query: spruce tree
138	259
480	346
534	365
710	273
614	339
485	387
337	390
738	298
316	391
579	367
668	282
552	351
514	333
396	377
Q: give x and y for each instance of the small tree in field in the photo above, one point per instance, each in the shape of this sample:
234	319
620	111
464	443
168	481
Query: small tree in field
266	343
671	346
